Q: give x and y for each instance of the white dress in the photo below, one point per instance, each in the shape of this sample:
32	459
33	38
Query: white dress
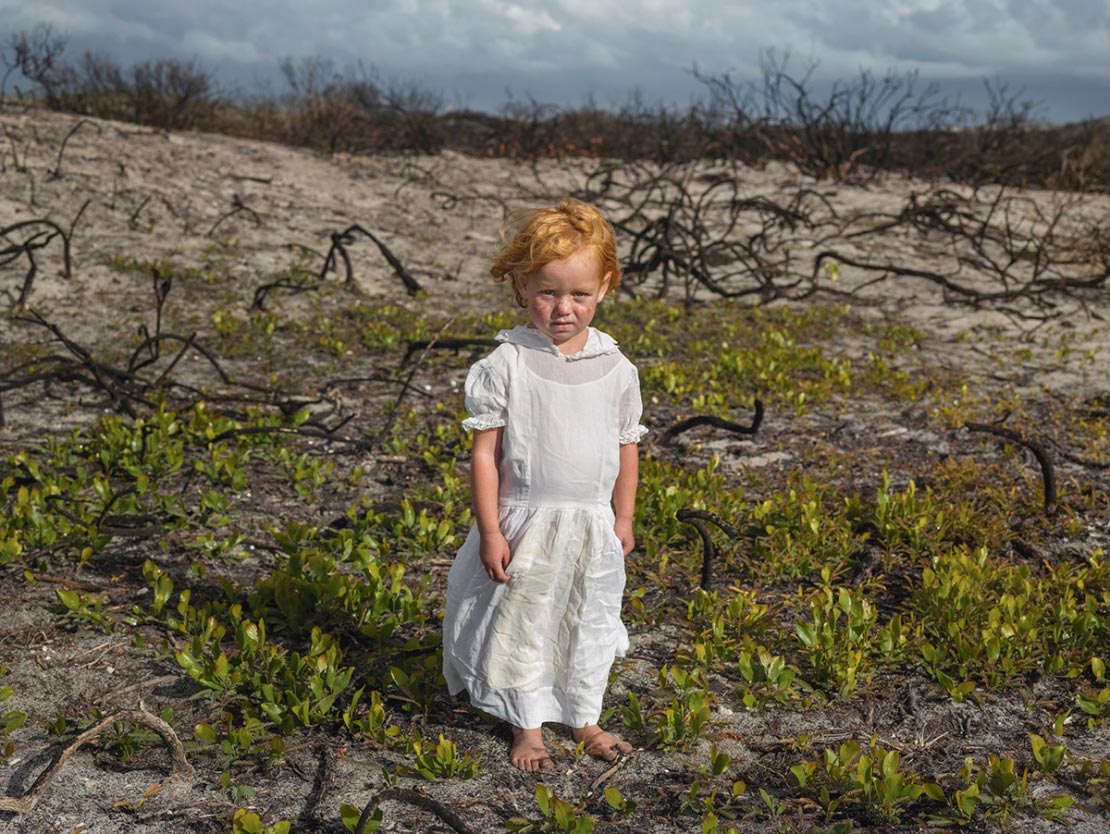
538	648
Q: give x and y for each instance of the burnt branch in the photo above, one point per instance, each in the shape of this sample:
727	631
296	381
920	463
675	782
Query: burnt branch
694	231
997	248
294	283
412	797
38	240
446	344
339	243
181	769
709	420
407	386
317	431
1048	473
237	206
133	220
57	172
699	520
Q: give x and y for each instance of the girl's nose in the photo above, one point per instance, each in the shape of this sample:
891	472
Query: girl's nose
562	304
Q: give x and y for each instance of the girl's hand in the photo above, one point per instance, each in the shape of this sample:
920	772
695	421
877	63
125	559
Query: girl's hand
495	555
623	529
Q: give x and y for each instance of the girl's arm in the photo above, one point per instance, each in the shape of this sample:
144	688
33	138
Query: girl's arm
624	495
484	480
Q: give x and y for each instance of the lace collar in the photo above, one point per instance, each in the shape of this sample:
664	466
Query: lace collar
597	343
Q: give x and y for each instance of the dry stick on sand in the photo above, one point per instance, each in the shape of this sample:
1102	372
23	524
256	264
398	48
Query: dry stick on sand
709	420
1047	472
413	798
698	519
446	344
180	769
341	240
56	174
408	383
237	205
13	251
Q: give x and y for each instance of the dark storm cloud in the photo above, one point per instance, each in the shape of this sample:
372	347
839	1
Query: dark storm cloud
562	50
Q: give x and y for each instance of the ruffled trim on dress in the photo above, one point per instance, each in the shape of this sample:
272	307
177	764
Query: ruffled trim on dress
486	421
633	435
597	343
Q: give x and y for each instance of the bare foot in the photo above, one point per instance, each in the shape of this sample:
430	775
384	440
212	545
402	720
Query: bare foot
528	751
598	743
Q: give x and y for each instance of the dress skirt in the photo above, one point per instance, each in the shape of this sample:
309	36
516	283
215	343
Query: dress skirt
538	647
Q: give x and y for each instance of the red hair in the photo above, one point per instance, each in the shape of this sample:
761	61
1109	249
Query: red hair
533	238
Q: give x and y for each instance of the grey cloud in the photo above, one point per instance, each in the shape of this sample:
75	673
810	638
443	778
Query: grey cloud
563	49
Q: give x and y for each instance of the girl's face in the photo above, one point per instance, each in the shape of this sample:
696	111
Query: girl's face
561	298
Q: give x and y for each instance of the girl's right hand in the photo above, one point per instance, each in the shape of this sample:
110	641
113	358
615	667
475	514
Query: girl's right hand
495	555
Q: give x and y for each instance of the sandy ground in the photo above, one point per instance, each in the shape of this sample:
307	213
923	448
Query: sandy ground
153	195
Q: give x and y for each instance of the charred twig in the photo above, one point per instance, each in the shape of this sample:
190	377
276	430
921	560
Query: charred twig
304	431
408	384
133	220
412	797
1011	243
339	243
709	420
446	344
698	519
180	767
248	178
57	172
162	286
237	205
322	781
1048	474
28	247
295	284
354	380
113	382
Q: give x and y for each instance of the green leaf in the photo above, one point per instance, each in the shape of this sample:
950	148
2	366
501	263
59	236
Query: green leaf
350	815
543	799
614	798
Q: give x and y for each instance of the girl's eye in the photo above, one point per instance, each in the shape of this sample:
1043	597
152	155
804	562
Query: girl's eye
547	292
581	294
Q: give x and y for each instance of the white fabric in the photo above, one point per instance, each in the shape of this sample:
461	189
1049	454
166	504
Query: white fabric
538	648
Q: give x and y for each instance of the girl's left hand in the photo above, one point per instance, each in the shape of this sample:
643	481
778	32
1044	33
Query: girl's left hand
623	529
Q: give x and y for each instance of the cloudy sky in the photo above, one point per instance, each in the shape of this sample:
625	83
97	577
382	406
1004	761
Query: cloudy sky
478	52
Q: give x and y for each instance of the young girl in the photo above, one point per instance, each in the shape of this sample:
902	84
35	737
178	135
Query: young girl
532	620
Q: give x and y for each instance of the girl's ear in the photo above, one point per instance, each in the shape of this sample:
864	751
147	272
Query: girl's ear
604	288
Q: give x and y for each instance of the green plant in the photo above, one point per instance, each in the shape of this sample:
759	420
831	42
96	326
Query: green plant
350	817
248	822
1049	757
1096	705
443	761
9	721
723	628
559	817
86	608
711	801
616	800
995	790
796	534
374	724
838	638
764	678
870	779
679	724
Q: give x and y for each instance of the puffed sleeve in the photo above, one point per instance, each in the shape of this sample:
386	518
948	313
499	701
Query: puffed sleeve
486	395
631	409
